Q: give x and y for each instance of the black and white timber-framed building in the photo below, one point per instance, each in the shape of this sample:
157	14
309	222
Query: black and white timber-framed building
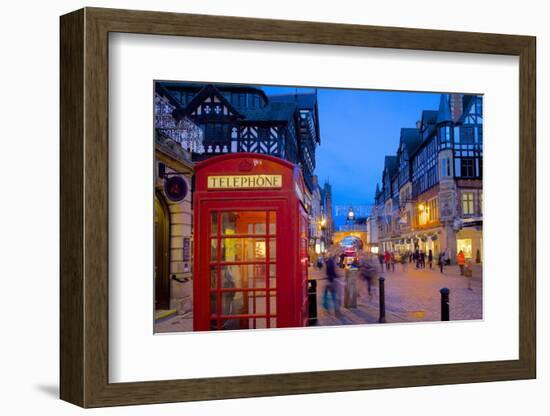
240	118
431	196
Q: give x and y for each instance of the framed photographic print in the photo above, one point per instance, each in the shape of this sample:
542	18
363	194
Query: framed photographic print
256	207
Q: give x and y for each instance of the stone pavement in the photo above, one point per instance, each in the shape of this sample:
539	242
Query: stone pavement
412	295
175	323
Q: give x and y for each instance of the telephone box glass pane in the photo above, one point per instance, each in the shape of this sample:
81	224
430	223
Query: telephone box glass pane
272	249
214	303
272	222
256	228
214	223
243	249
255	303
232	303
272	276
273	304
243	222
213	249
213	277
260	323
243	276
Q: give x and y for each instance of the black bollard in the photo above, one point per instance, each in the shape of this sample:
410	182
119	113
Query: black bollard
382	302
444	304
312	302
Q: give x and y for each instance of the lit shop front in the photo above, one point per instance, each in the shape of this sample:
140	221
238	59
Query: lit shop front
251	244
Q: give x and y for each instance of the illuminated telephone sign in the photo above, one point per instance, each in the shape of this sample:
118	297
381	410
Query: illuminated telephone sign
245	182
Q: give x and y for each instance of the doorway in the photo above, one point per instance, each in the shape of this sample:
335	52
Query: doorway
162	258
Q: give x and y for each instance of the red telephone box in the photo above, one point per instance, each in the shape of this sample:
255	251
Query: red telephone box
250	244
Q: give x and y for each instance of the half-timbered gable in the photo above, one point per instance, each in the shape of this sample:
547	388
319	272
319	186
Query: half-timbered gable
240	118
269	130
209	104
409	141
308	132
468	140
390	168
182	130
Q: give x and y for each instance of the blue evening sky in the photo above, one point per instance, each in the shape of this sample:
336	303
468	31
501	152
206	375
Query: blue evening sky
358	128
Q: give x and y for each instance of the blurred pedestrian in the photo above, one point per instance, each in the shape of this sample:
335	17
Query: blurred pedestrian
461	261
405	262
342	257
441	261
331	289
381	261
387	260
430	258
368	274
447	257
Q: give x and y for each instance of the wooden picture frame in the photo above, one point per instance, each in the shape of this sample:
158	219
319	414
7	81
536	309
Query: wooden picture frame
84	207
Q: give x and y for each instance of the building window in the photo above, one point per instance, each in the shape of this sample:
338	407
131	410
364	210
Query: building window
480	203
466	135
467	203
467	167
423	213
445	167
445	137
433	210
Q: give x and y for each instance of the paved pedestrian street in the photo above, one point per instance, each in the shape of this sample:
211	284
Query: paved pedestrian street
412	295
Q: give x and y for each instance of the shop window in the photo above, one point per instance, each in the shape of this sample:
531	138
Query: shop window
464	245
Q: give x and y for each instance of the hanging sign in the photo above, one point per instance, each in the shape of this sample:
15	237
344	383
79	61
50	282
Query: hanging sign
175	188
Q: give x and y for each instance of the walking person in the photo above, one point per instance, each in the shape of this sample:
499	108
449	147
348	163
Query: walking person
387	259
405	262
367	273
331	289
461	261
381	261
430	258
393	260
422	259
447	257
441	260
417	258
342	257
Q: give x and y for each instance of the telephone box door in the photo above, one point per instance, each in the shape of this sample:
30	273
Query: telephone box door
241	282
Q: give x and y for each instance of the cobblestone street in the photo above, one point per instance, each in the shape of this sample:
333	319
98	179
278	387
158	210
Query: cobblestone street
412	295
